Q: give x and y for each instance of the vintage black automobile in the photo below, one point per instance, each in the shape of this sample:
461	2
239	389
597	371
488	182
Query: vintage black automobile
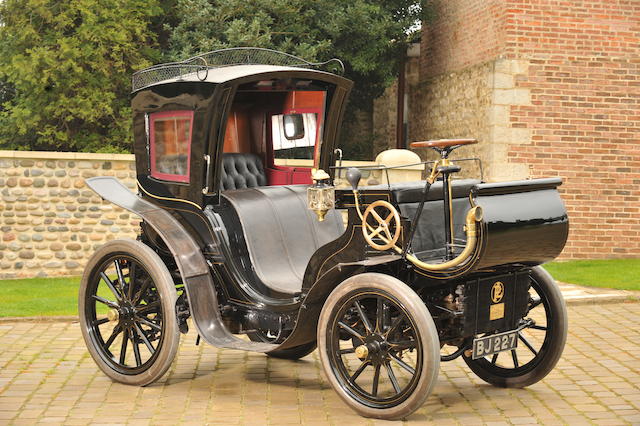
255	250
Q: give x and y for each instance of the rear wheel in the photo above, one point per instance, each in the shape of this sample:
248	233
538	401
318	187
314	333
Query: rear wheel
379	346
127	312
541	339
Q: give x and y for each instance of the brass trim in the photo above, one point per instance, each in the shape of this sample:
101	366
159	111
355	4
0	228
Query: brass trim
362	352
383	225
497	292
451	233
113	315
496	311
434	172
473	216
180	200
456	272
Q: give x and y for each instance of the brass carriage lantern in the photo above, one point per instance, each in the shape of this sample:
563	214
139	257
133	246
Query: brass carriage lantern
320	195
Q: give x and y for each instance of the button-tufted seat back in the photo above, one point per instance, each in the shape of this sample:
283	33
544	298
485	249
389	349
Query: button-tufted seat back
240	170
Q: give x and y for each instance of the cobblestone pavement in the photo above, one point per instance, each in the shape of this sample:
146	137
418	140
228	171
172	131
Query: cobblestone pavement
46	375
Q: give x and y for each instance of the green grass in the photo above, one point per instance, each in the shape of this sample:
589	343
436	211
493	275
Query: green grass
59	296
39	297
35	297
622	274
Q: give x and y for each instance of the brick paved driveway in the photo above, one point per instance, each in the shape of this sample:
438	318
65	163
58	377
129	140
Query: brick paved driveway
47	376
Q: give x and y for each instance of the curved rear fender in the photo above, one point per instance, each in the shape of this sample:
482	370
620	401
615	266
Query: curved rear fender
188	255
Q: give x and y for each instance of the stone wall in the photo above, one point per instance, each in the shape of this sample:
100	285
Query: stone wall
469	103
454	105
385	107
50	222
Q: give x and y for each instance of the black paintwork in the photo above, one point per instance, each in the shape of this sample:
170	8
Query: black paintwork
525	224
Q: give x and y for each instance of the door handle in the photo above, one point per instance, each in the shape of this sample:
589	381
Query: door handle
207	159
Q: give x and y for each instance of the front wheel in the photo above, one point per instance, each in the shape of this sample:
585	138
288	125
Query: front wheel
378	346
127	312
541	339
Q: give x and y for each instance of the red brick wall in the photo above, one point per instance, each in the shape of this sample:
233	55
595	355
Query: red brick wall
463	33
584	79
583	76
603	28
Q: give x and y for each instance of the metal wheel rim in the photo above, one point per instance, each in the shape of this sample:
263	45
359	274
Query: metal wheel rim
93	323
341	371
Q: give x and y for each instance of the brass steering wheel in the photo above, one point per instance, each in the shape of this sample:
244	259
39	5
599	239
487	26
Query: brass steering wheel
383	231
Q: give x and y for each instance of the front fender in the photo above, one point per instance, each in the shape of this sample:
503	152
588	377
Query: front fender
194	270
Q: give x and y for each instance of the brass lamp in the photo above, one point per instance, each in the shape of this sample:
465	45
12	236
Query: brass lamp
320	195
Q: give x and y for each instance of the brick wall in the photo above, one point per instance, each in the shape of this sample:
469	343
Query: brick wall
584	115
562	99
464	33
585	123
50	222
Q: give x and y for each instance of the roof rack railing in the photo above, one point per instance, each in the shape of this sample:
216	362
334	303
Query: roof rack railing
201	64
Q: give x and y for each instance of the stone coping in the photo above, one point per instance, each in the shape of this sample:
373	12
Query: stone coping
53	318
54	155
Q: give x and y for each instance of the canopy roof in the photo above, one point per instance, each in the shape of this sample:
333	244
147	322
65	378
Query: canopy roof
225	65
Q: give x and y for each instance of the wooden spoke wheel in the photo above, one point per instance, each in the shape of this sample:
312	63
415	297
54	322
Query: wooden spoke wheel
383	224
541	339
127	312
379	346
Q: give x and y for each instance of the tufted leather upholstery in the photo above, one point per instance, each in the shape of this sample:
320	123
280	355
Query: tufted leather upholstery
240	170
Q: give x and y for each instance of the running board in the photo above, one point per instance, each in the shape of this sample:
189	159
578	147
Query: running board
203	301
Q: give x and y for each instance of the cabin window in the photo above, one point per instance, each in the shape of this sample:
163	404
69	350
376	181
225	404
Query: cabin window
171	145
294	135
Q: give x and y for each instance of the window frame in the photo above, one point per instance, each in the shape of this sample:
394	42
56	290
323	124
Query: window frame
175	114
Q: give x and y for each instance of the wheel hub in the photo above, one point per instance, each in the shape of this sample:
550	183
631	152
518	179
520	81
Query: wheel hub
375	349
126	314
362	352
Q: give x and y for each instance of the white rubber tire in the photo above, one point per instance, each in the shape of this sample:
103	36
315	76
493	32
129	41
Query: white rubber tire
426	328
167	293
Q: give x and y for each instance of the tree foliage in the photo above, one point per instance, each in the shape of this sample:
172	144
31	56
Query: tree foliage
69	63
368	35
65	65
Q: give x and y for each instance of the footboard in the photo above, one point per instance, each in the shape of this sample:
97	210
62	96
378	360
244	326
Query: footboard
525	221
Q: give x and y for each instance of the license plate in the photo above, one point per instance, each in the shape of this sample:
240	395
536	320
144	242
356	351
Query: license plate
489	345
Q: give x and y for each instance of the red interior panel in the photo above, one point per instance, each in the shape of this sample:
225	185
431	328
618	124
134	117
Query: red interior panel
279	175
